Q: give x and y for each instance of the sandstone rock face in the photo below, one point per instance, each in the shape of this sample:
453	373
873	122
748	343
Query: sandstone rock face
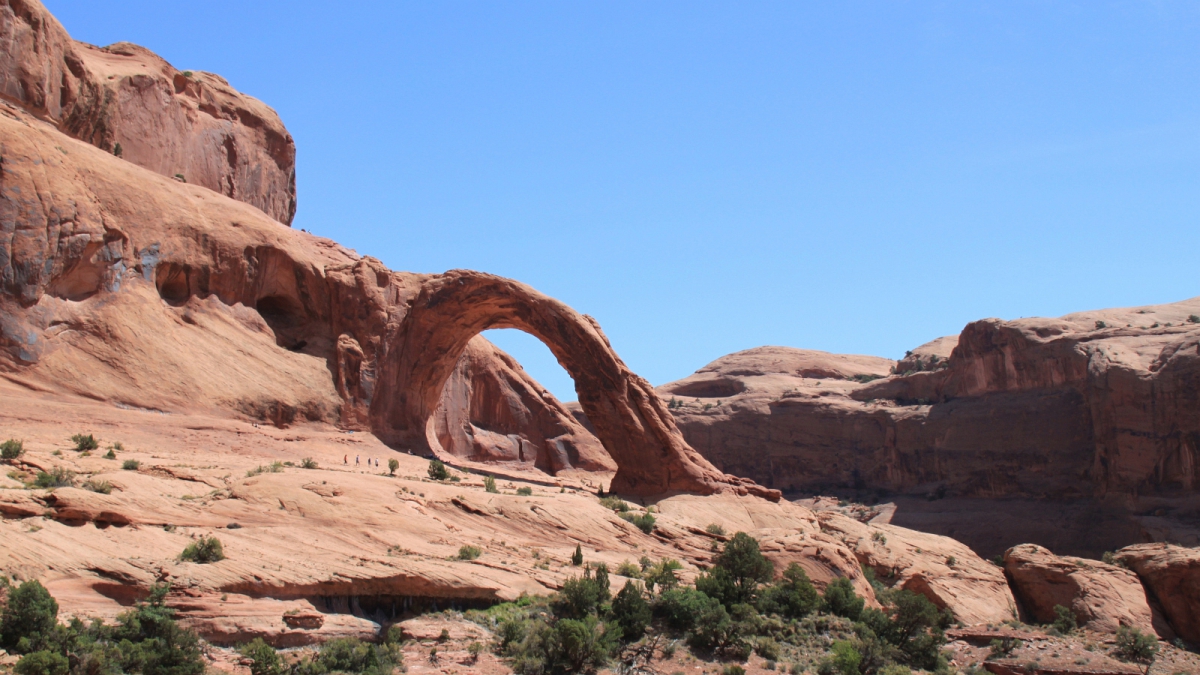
940	568
1102	421
1172	574
188	123
491	410
1103	597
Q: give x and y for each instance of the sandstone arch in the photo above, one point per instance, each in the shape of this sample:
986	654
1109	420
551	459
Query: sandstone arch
633	424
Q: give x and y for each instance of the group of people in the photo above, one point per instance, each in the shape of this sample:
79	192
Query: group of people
346	461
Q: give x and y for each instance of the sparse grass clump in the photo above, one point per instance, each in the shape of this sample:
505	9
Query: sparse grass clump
468	552
643	522
131	465
273	467
716	529
11	449
103	487
55	478
83	442
489	484
615	503
204	550
525	491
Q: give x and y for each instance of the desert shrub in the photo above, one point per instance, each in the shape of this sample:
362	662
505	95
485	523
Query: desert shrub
1192	318
204	550
582	596
1064	620
714	528
840	599
437	470
566	646
643	522
42	663
83	442
1135	646
265	660
733	669
11	449
29	618
308	463
468	552
525	491
1004	647
844	659
615	503
792	597
102	486
715	631
912	625
631	612
55	478
489	484
767	648
628	569
1100	325
737	572
680	608
273	467
111	454
660	574
351	655
130	465
577	556
474	650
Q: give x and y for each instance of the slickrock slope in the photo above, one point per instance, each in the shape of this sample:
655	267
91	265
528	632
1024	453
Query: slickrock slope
1102	597
941	569
188	123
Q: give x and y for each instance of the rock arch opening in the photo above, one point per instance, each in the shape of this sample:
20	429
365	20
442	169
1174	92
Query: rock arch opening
631	422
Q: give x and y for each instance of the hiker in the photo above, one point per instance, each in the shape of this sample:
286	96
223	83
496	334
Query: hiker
356	460
345	459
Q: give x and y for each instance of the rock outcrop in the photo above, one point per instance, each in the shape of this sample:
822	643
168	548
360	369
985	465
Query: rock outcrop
127	100
1102	597
940	568
1172	574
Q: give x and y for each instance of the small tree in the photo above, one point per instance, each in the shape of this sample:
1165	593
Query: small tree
204	550
792	597
1064	620
1134	646
29	618
631	612
11	449
264	659
840	599
438	471
745	566
393	464
577	558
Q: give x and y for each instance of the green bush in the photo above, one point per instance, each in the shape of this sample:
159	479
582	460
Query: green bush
203	551
912	625
792	597
643	522
29	618
581	596
733	670
716	529
840	599
42	663
628	569
767	648
82	442
737	572
438	470
525	491
468	552
1064	620
845	658
308	463
681	607
111	454
265	660
615	503
130	465
1192	318
351	655
631	611
393	464
1135	646
660	574
489	484
56	478
11	449
577	557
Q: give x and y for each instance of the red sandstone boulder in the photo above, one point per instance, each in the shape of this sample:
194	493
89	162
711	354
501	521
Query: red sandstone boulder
186	123
1102	597
1172	573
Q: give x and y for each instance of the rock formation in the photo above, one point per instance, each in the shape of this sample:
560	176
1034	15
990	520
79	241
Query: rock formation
1172	574
1102	597
127	100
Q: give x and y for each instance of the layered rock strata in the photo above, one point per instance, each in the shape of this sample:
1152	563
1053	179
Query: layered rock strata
1172	575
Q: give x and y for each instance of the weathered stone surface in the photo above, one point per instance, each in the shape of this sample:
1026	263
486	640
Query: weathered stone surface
188	123
1102	597
940	568
1172	574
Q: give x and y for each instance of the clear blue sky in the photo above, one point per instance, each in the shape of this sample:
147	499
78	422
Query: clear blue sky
707	177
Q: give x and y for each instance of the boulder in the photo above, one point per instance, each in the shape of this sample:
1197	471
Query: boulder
1102	597
1172	573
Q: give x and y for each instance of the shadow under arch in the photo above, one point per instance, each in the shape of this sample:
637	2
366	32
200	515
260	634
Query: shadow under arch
633	424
